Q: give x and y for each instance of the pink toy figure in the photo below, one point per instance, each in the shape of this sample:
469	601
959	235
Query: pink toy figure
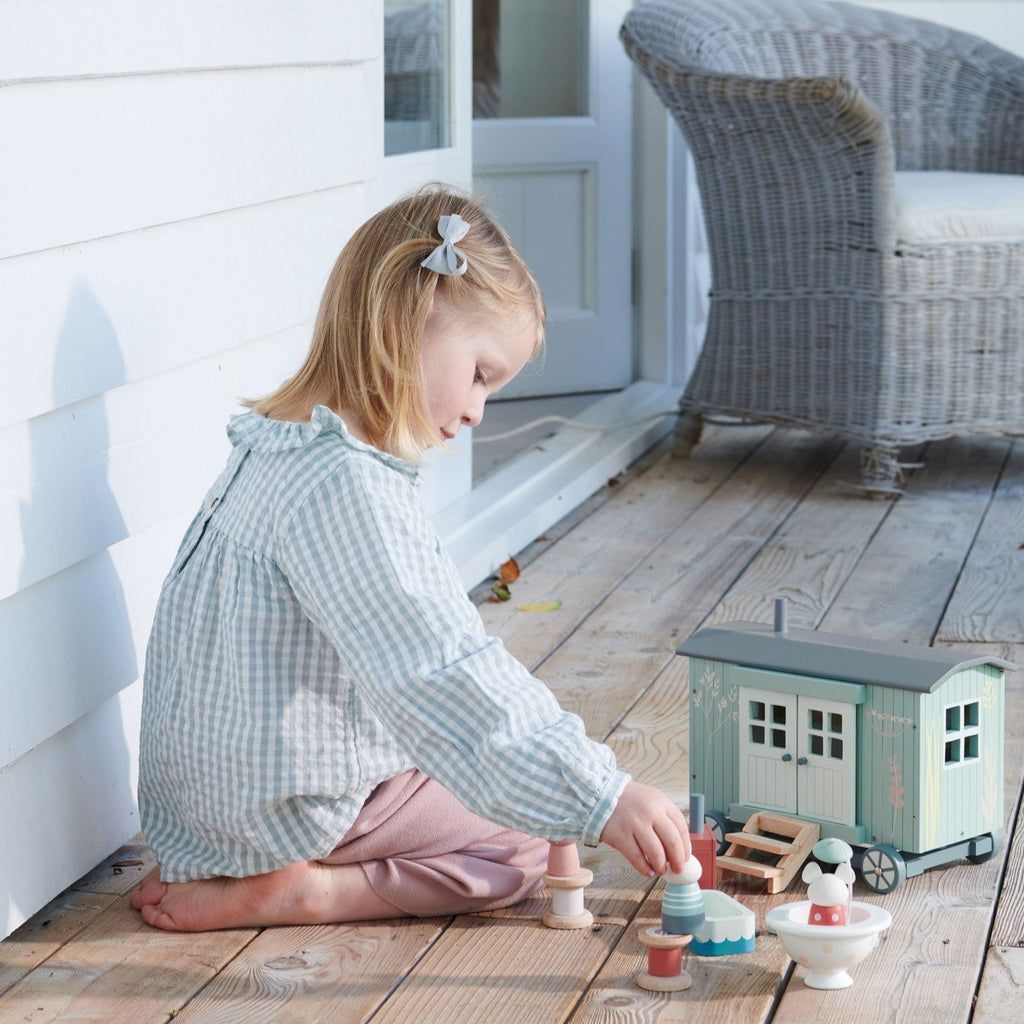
567	880
828	893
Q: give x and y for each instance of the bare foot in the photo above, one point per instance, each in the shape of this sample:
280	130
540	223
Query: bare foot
302	893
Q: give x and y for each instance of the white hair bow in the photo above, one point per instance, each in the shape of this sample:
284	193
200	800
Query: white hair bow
446	259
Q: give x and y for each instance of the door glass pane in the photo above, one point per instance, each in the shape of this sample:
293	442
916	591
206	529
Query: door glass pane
530	58
417	75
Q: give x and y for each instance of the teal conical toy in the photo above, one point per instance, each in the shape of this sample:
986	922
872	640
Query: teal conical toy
682	906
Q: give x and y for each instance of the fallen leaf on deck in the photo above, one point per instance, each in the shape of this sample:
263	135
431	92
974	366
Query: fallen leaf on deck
509	572
543	606
501	592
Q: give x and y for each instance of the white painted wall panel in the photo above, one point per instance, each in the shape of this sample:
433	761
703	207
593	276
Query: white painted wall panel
61	804
88	475
116	310
79	636
63	38
101	156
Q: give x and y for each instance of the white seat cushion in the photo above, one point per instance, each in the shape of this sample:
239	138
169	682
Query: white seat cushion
956	206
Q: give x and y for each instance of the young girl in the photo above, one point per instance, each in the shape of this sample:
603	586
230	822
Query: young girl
328	733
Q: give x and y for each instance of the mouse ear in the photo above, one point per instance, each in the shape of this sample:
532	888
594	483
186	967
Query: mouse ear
811	871
846	873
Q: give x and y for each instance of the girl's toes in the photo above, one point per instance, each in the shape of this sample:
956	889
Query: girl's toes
150	890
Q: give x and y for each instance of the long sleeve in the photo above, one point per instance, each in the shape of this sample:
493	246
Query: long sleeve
369	571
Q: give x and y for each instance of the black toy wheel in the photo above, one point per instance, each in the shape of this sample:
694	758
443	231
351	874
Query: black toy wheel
719	826
883	868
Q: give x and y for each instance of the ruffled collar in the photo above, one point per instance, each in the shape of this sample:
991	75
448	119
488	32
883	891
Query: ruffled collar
259	433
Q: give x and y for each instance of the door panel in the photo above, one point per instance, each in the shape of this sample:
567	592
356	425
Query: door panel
558	176
826	779
767	750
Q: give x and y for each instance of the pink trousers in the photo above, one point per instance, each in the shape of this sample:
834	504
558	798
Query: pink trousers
424	852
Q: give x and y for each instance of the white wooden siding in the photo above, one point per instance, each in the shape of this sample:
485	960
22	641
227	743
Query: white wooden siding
179	177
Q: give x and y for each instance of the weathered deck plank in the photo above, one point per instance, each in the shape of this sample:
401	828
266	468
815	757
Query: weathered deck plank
637	627
593	558
810	557
988	605
921	547
118	970
318	975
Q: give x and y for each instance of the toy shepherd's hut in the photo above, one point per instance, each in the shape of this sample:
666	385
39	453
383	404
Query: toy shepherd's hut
895	747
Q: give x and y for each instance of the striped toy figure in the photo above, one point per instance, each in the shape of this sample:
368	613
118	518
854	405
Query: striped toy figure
682	913
682	907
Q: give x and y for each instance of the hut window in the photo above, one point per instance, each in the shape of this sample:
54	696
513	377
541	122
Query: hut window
824	733
767	724
962	733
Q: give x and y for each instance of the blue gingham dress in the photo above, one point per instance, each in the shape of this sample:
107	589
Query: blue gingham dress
313	639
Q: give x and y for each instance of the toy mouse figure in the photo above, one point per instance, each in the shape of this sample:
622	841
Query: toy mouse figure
828	893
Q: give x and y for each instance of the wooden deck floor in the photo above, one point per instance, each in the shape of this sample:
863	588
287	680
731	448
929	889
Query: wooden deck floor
674	544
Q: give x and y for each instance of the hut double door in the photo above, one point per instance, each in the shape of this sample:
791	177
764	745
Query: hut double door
797	755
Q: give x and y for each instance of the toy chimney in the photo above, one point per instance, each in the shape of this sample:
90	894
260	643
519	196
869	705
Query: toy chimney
781	615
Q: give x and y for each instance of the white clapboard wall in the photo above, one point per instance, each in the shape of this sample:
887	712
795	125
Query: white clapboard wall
177	179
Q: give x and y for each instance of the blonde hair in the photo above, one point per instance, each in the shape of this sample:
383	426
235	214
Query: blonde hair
365	350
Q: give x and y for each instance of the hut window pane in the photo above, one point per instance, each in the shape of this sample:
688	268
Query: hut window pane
757	711
817	744
963	730
816	720
835	749
835	722
779	714
778	738
757	734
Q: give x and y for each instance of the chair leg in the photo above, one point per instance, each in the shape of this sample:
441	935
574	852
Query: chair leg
880	472
687	433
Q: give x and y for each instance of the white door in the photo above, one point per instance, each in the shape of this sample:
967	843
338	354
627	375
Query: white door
552	155
797	755
825	760
767	750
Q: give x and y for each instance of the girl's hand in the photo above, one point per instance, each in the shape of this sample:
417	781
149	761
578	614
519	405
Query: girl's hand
649	830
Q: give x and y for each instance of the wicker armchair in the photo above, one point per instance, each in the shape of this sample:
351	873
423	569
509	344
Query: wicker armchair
807	121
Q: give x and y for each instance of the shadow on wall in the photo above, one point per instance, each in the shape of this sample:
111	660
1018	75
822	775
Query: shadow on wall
70	627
